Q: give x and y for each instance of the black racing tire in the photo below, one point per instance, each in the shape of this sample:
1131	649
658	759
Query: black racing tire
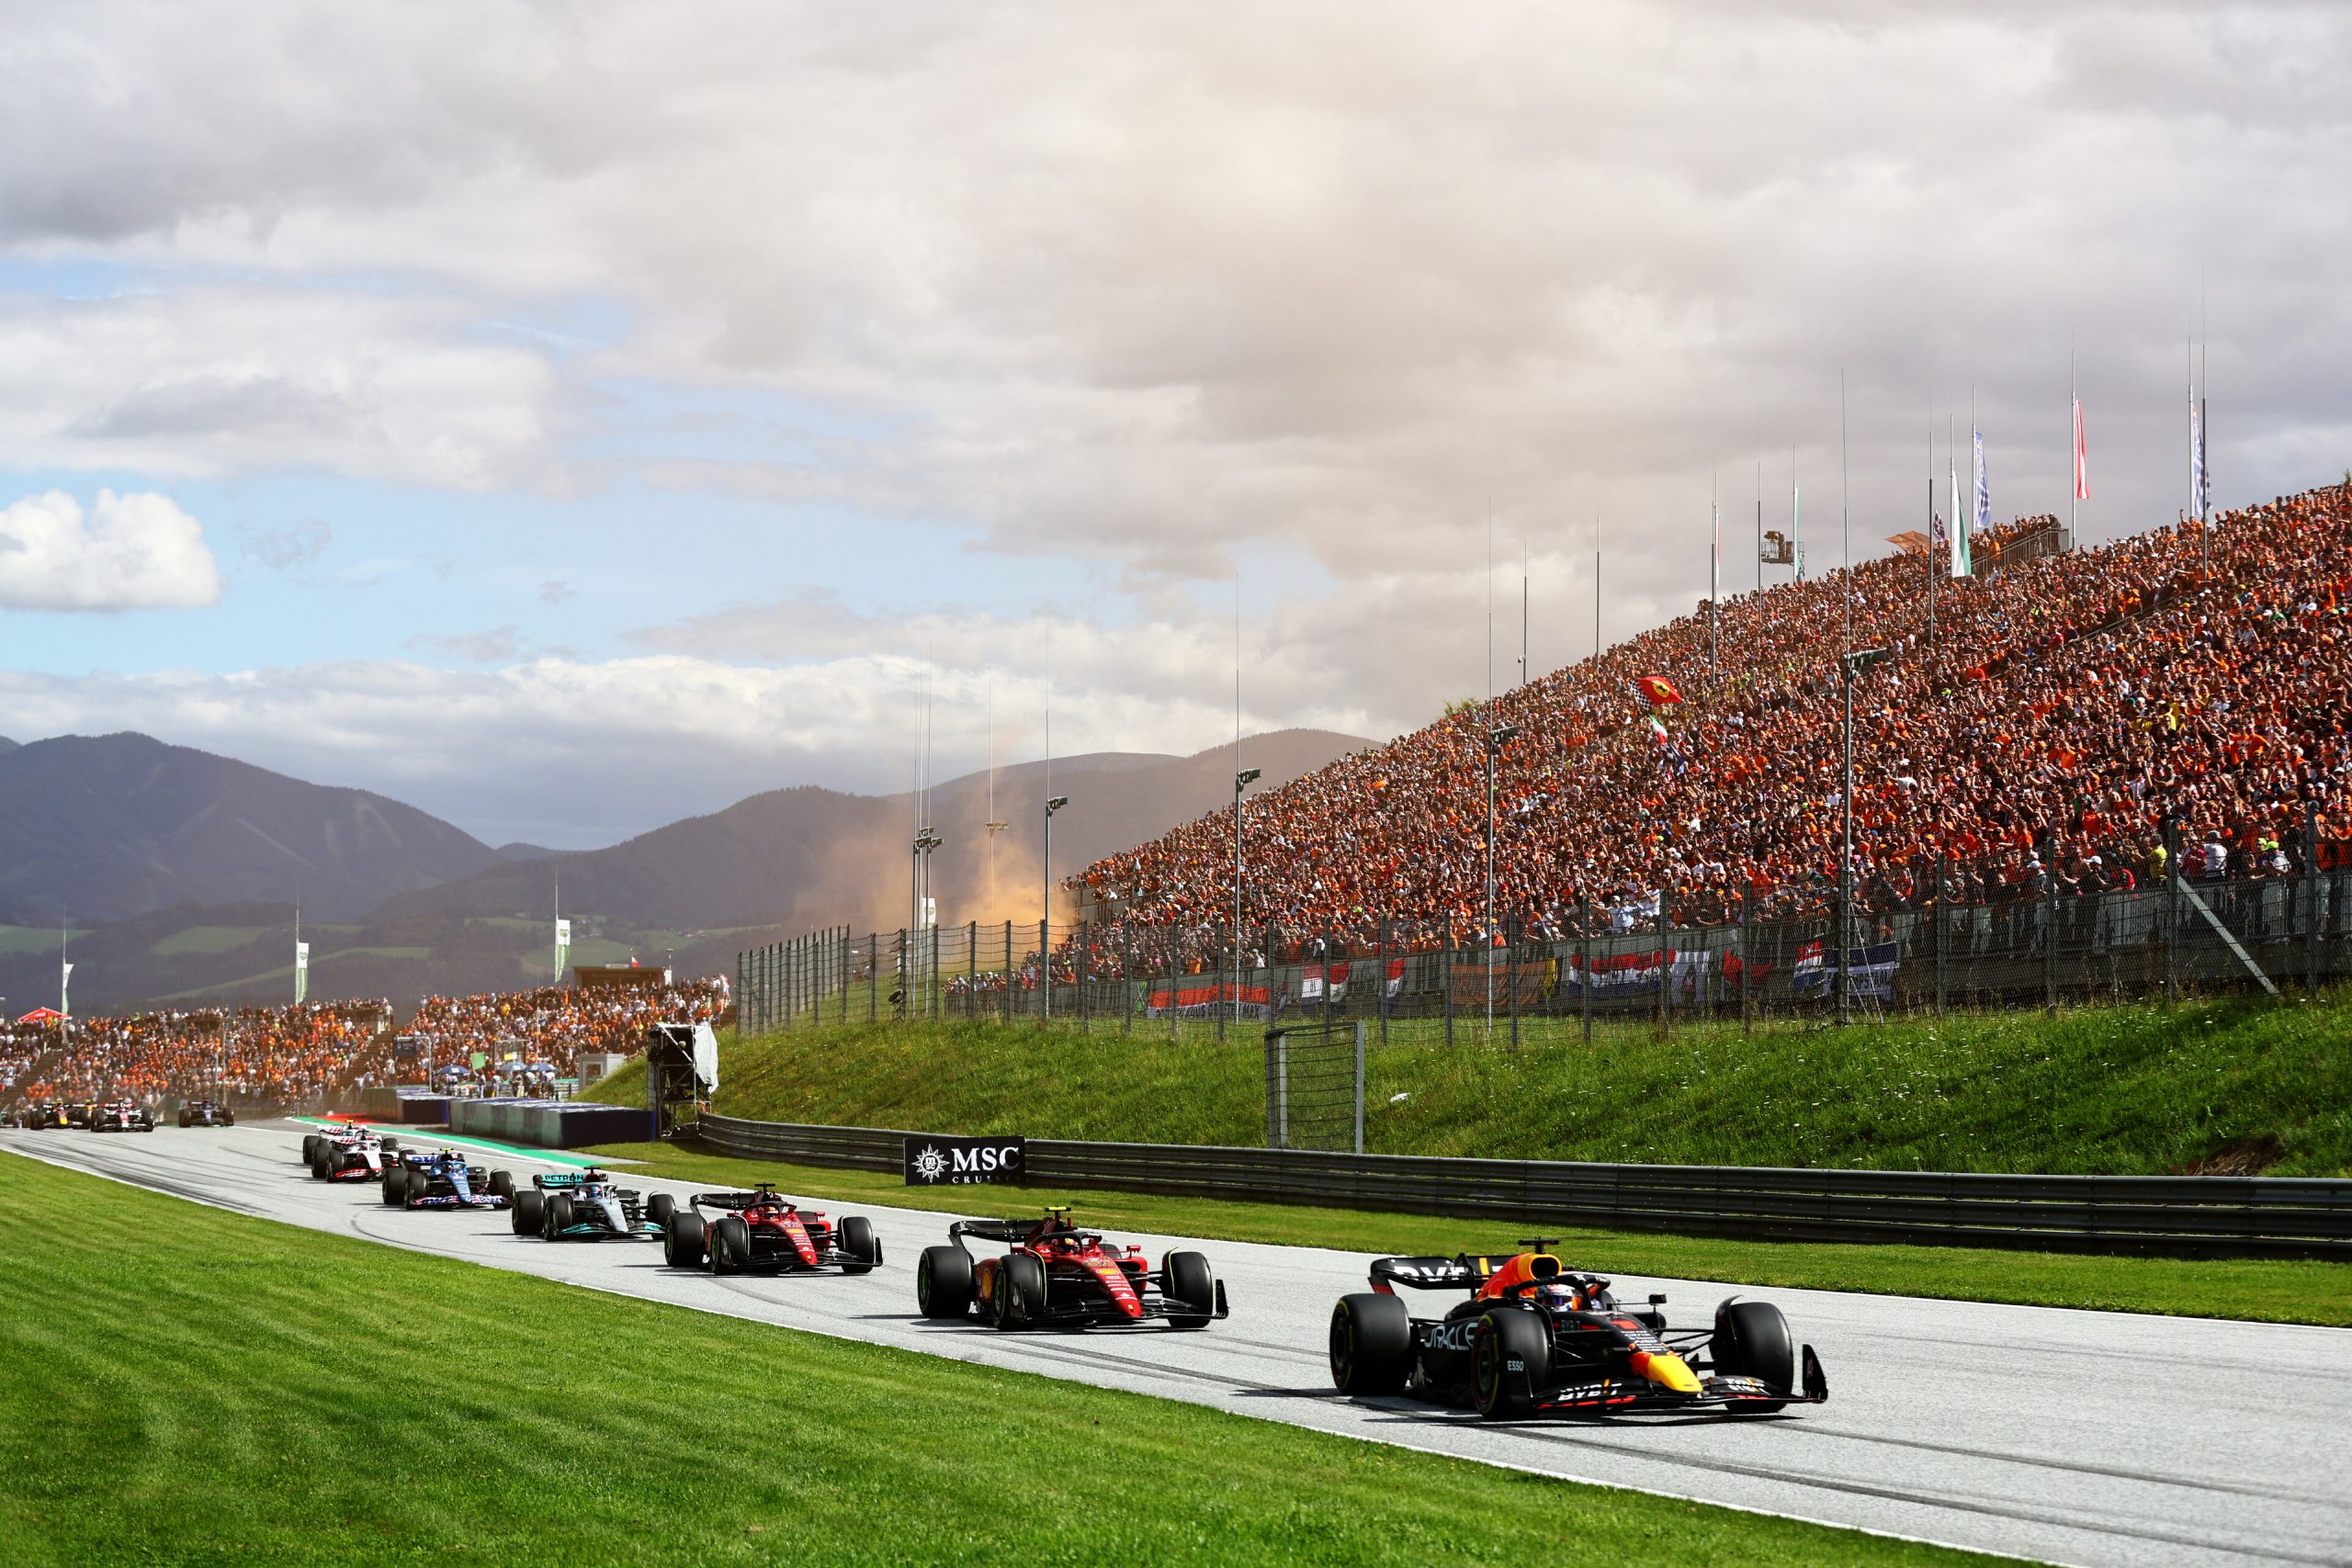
1019	1291
1503	1336
390	1146
395	1186
184	1121
309	1147
685	1240
730	1245
526	1213
228	1119
944	1283
1189	1279
1752	1339
1372	1345
502	1184
413	1187
318	1165
659	1207
558	1215
857	1239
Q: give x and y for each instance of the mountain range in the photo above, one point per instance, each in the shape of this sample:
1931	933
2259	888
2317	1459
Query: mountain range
179	871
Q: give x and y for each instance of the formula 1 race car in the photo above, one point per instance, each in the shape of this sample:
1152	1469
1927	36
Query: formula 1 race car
440	1179
78	1113
348	1153
585	1206
1534	1337
47	1113
207	1113
121	1116
764	1231
1057	1276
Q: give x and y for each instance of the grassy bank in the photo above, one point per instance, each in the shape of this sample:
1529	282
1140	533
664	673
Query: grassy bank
2248	1085
2261	1289
294	1396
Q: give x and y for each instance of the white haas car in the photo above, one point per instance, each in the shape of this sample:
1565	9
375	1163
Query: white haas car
348	1153
121	1116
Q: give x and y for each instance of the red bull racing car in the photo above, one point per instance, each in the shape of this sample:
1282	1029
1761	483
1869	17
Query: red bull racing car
1534	1338
1057	1276
762	1230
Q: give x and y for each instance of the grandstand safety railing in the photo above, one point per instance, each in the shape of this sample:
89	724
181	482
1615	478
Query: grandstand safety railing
2179	1216
2288	931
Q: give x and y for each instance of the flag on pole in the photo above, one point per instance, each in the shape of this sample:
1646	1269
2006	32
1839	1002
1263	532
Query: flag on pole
1962	565
1796	528
1983	517
563	948
64	978
2082	457
2196	461
301	972
2204	468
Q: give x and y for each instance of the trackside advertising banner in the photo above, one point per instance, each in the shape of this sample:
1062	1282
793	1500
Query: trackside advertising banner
1870	971
965	1162
1208	1000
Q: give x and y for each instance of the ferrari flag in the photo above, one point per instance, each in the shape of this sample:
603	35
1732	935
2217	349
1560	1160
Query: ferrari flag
1658	690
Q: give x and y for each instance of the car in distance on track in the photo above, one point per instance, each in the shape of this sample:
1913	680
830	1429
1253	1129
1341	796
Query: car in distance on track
47	1113
78	1113
588	1205
440	1179
348	1153
1534	1337
121	1116
765	1231
1057	1276
207	1113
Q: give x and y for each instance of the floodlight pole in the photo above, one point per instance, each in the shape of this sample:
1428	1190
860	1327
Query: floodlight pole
1241	781
1046	926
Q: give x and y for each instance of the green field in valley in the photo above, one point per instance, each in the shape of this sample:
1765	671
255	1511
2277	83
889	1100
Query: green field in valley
185	1384
2260	1289
2245	1086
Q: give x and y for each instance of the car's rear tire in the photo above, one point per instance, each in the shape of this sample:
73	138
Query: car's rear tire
502	1184
1372	1345
528	1212
228	1119
1752	1339
1019	1291
943	1283
558	1215
857	1239
730	1245
659	1207
686	1241
1504	1335
1189	1279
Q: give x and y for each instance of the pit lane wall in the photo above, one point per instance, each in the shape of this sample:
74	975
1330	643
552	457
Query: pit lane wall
548	1123
2176	1216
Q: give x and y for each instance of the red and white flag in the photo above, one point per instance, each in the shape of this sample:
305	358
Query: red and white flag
2082	457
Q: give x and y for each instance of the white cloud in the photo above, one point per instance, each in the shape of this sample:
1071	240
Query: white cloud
125	552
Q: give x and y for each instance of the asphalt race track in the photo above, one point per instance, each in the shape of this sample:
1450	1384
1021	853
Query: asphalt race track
2070	1437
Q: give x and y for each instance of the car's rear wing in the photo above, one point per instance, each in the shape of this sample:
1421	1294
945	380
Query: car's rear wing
738	1202
1462	1271
1018	1228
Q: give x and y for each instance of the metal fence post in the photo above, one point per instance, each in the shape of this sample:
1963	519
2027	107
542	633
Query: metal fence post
2049	936
1044	972
1664	969
1584	941
1325	962
1937	913
1085	967
1446	975
1381	980
1359	1086
1511	968
1747	954
2311	899
743	995
1005	990
2172	914
873	977
1126	980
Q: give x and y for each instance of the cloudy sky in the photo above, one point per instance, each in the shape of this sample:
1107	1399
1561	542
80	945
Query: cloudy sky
567	419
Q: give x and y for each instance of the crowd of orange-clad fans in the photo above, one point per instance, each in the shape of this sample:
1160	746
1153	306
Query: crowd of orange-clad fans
2058	722
305	1055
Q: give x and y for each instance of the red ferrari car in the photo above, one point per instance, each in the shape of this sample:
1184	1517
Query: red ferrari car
1057	1276
762	1230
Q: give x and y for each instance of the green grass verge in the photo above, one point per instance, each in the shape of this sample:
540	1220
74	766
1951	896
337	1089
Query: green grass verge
293	1396
2117	1090
2266	1290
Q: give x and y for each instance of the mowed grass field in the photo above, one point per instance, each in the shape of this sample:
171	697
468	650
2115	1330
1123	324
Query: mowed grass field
2255	1289
2240	1085
182	1384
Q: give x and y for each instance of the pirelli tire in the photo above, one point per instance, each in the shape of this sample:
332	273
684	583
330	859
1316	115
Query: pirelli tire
1020	1294
659	1207
685	1240
309	1147
502	1184
320	1165
395	1186
1752	1339
1187	1281
730	1245
1372	1345
184	1116
944	1283
557	1217
1510	1357
528	1213
865	1249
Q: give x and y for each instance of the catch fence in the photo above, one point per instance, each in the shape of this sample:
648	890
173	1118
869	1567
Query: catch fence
2290	931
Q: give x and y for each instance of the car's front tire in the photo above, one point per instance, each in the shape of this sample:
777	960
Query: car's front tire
529	1211
1372	1345
659	1207
943	1283
395	1186
557	1219
1752	1339
1187	1278
502	1184
1019	1291
857	1239
310	1148
730	1245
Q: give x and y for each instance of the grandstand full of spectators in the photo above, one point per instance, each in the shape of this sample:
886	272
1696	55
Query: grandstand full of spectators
2054	722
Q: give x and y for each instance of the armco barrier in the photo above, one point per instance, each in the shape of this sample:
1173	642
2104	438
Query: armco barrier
2179	1216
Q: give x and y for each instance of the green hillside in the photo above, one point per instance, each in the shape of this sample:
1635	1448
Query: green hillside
2242	1086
